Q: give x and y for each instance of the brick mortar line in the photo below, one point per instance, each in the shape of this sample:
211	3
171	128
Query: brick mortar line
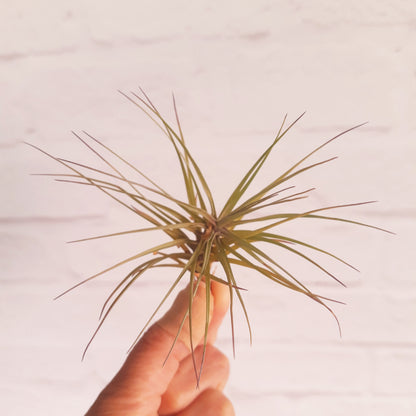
49	219
89	44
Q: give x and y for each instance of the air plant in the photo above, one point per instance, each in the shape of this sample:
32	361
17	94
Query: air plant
198	234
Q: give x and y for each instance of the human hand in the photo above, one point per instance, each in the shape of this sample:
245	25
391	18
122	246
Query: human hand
144	387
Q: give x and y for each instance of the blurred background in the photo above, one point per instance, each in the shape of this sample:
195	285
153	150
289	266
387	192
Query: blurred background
236	68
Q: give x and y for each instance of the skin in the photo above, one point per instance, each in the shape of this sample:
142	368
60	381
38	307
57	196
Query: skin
146	387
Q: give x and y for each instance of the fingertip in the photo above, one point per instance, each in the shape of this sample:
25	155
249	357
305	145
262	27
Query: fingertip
221	293
177	317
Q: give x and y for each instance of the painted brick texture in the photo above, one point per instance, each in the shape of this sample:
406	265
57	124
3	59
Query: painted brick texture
236	67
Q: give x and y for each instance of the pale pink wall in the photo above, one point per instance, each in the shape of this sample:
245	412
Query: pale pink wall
236	68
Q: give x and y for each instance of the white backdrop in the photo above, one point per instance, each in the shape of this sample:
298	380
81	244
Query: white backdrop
236	67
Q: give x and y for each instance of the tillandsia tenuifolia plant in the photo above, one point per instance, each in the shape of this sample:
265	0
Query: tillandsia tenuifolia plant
198	234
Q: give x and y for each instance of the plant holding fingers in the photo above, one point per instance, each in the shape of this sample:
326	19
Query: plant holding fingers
199	235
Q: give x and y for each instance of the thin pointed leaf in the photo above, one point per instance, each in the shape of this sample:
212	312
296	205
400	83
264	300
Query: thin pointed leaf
251	174
281	179
185	149
263	258
187	225
308	214
230	277
185	268
298	253
129	259
257	206
104	316
281	238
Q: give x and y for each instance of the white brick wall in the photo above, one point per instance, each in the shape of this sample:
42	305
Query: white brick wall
236	67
